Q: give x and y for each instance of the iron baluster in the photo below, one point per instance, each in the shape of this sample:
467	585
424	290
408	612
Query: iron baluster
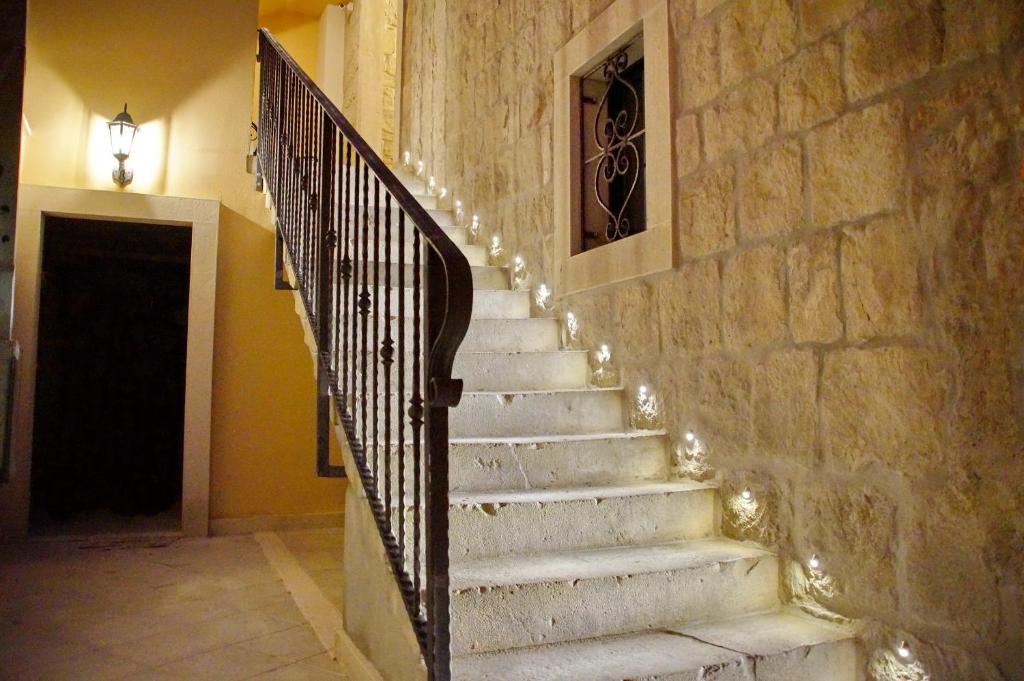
314	164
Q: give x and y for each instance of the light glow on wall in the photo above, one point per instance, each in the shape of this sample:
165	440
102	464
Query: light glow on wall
148	160
646	412
691	457
888	665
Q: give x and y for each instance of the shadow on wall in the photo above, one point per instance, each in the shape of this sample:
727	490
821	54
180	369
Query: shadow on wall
257	467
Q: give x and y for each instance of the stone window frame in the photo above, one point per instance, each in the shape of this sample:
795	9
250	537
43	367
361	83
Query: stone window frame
652	250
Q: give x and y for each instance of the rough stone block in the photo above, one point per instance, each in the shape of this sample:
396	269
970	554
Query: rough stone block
810	90
688	307
857	165
854	527
634	310
687	145
785	399
822	16
884	406
754	297
701	82
974	149
756	34
772	192
724	407
814	291
706	6
945	550
707	213
881	287
890	44
944	104
980	27
741	121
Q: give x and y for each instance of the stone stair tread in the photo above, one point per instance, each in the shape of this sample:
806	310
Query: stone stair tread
546	391
544	496
523	352
545	439
671	652
596	563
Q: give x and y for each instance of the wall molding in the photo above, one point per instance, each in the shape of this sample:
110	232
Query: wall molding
203	216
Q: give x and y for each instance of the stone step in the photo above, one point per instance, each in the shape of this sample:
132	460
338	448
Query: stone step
526	413
569	461
458	235
495	416
489	278
369	215
415	185
502	604
776	646
602	460
492	335
512	335
506	522
522	370
487	303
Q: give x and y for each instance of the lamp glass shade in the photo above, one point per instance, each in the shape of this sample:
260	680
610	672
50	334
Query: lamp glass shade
122	134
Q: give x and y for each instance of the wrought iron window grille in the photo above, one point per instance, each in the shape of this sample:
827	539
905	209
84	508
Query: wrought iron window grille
612	143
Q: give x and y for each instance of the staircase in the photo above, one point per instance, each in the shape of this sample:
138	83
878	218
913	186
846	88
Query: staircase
569	551
574	554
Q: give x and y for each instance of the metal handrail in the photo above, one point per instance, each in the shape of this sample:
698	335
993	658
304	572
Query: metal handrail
318	171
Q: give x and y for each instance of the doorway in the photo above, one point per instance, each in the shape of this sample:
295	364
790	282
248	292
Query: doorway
110	379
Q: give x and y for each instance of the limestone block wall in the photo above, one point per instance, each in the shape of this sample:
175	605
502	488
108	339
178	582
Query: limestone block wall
845	326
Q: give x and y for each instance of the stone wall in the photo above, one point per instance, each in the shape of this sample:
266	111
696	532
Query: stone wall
389	44
845	326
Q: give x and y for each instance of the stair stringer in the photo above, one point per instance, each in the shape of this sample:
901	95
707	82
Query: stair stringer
377	623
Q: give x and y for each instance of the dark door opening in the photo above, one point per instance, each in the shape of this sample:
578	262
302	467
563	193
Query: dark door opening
110	376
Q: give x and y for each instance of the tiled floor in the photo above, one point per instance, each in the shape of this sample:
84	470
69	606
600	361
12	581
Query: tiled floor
191	609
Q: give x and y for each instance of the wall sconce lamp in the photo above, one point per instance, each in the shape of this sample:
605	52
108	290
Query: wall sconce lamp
122	135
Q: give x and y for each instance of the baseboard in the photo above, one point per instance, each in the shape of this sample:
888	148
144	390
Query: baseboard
355	664
275	523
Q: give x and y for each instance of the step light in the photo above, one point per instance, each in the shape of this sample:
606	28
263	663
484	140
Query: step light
520	276
570	331
542	298
474	229
646	413
496	255
604	374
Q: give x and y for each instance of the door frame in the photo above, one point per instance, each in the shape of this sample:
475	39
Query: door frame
203	216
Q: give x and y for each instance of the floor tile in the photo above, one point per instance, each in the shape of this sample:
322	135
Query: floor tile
294	644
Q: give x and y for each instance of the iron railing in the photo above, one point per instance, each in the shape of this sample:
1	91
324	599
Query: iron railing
388	297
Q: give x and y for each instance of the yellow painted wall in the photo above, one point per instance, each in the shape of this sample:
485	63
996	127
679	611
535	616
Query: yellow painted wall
186	70
298	33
